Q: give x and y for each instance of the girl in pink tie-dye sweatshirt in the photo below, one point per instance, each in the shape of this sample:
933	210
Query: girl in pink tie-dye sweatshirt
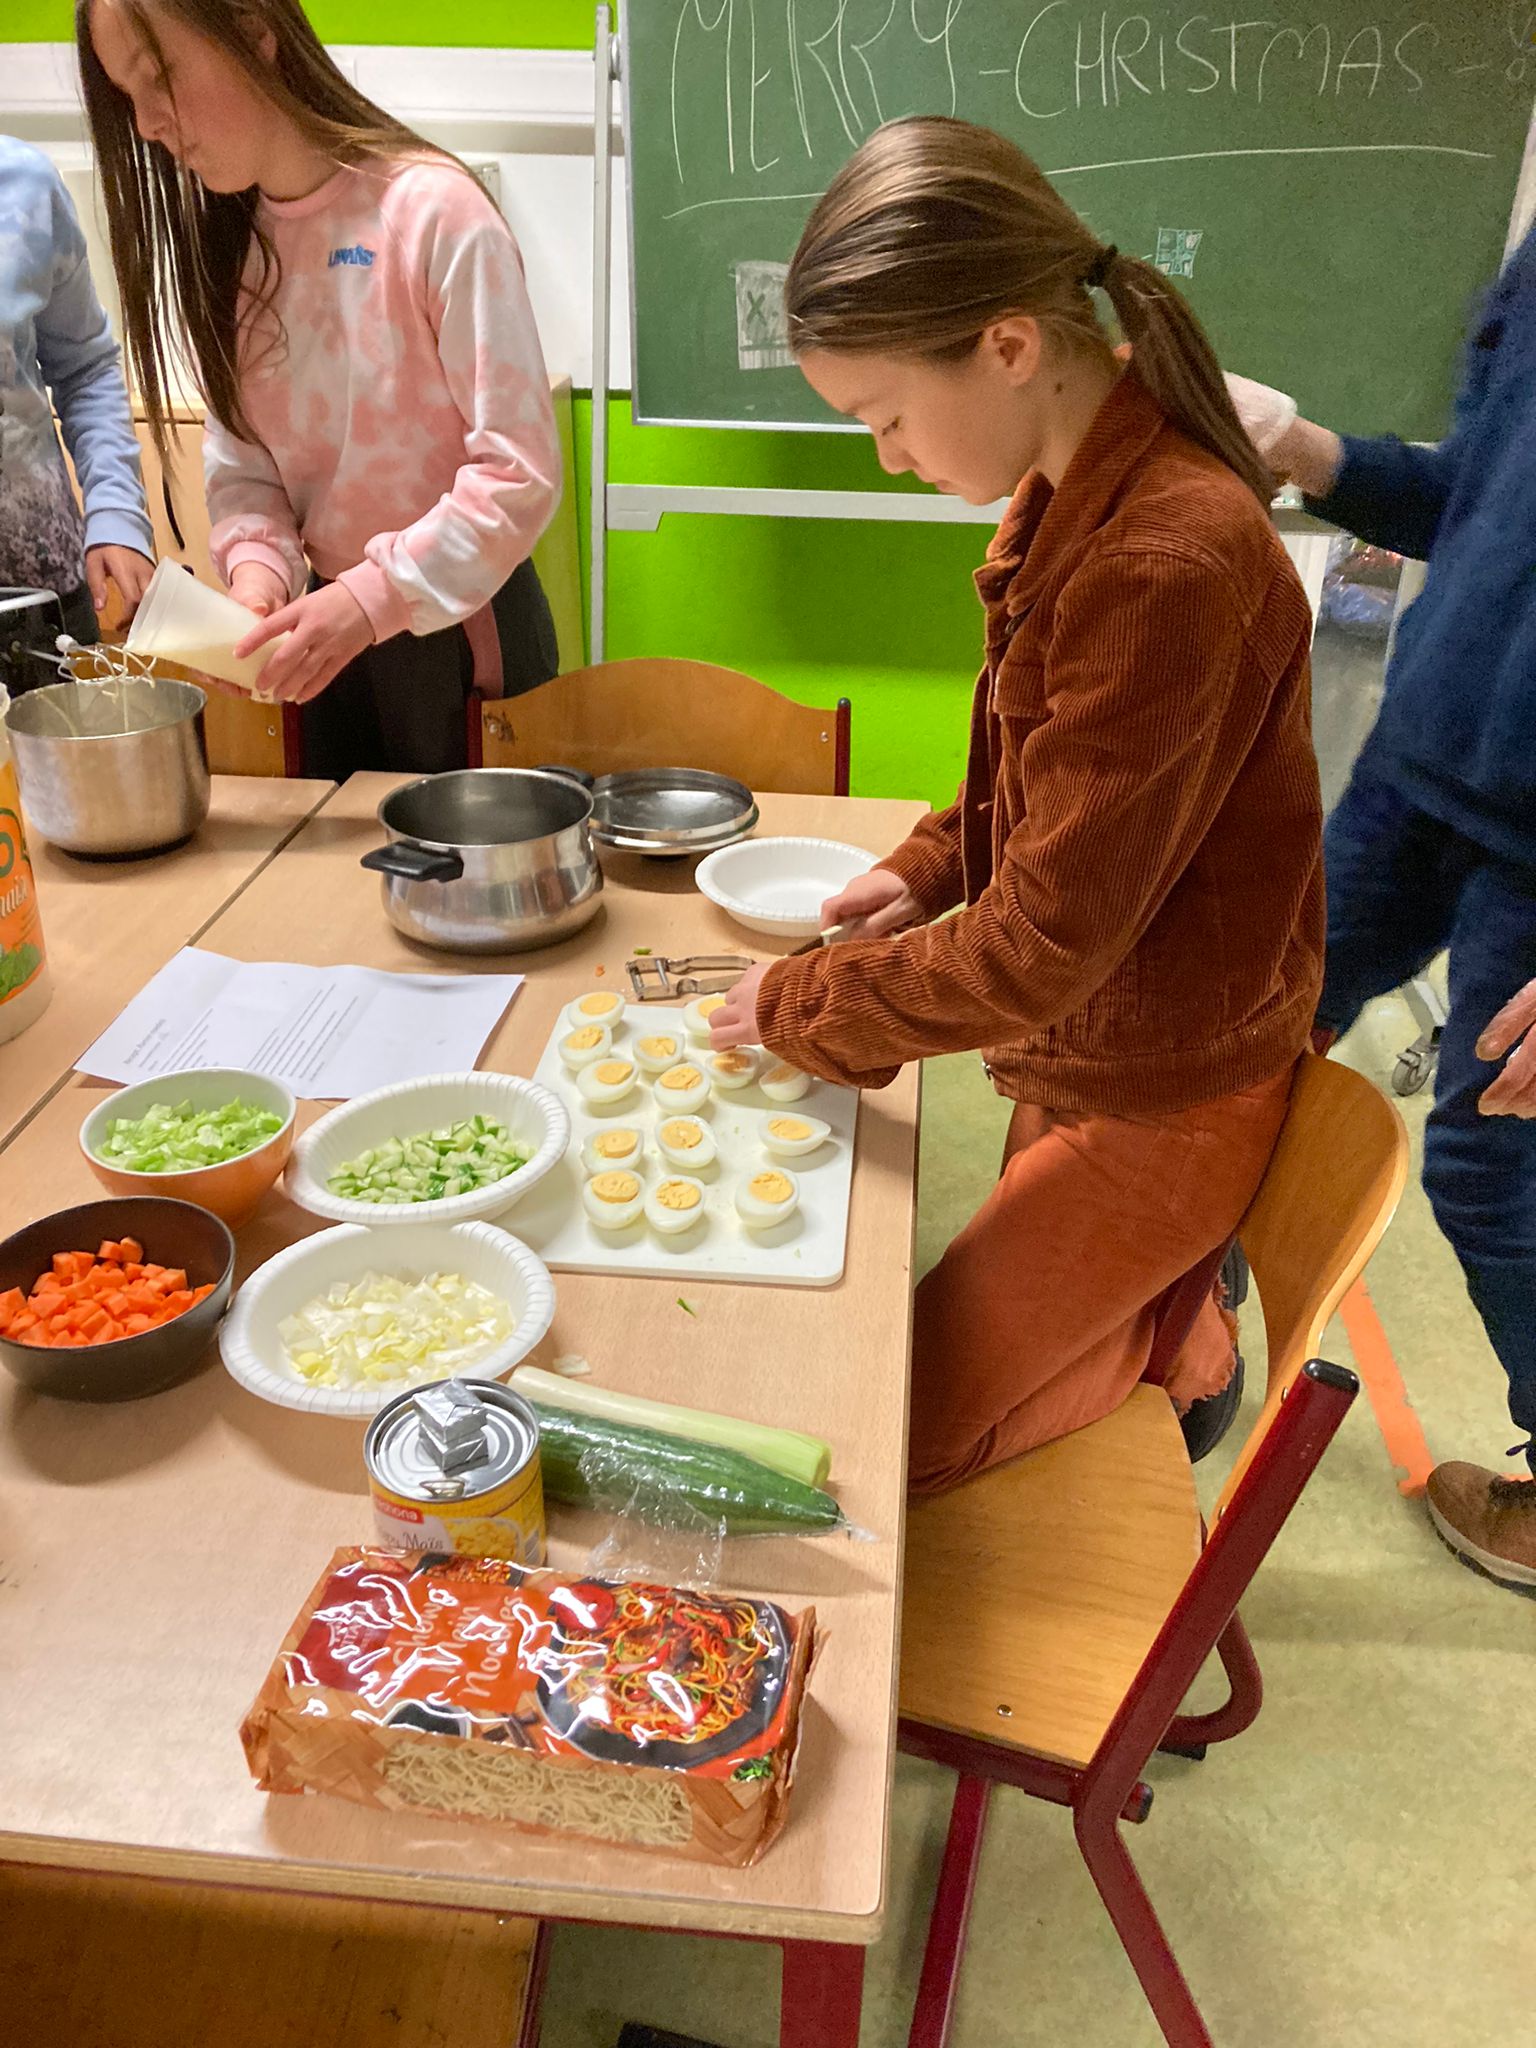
381	453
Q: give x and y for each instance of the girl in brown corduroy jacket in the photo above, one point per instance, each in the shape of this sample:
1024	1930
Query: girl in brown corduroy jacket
1137	845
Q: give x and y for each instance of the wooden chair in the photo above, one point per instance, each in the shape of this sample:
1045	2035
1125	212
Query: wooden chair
1058	1608
667	714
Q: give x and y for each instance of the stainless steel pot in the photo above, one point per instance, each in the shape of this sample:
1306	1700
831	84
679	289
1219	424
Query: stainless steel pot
113	768
488	860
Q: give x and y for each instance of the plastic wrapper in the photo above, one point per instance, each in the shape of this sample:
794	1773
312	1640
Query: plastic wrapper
628	1713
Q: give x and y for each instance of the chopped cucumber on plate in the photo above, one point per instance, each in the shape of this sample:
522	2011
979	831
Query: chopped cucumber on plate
459	1159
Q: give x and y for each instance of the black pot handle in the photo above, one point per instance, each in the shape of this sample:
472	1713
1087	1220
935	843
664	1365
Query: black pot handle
580	775
412	863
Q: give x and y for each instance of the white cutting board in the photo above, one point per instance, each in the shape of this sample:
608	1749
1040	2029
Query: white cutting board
807	1251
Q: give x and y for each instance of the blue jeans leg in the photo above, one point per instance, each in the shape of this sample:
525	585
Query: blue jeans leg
1394	877
1480	1171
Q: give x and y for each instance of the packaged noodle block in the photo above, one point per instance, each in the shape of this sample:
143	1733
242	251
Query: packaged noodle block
468	1687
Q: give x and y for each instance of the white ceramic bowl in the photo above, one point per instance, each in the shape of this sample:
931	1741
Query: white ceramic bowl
253	1351
779	885
531	1113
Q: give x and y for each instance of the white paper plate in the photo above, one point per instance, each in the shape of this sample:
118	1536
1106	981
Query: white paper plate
779	885
253	1352
532	1114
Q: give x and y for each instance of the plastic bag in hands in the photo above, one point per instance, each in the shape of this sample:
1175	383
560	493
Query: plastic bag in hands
1266	414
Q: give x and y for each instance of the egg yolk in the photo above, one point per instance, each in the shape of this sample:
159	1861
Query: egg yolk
681	1078
772	1188
707	1005
677	1194
615	1144
597	1005
584	1039
615	1187
682	1136
609	1073
731	1063
789	1128
658	1048
779	1075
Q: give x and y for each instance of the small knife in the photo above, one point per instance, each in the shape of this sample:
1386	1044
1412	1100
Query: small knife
826	938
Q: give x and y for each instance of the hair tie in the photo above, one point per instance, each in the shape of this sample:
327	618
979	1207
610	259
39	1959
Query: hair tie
1097	274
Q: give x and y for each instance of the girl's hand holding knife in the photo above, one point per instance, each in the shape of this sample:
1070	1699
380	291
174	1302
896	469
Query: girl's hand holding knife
869	908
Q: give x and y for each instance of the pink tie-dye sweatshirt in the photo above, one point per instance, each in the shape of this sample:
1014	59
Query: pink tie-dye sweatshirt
407	444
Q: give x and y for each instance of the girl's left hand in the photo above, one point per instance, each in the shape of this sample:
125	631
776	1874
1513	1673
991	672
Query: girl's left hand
735	1022
326	628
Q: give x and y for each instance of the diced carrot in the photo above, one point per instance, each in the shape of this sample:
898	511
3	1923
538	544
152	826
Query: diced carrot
179	1302
132	1324
97	1297
109	1250
131	1250
201	1293
133	1269
173	1279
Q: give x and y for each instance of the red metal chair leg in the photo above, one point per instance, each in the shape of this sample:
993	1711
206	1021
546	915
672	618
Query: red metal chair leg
942	1957
532	2022
821	1996
1244	1698
1128	1906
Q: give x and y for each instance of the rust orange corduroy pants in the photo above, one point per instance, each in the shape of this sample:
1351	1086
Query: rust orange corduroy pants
1039	1318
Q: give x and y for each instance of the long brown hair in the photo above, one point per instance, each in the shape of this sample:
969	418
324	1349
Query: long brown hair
180	252
935	228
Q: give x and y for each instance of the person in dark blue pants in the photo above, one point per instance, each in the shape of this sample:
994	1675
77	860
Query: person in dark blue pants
1433	844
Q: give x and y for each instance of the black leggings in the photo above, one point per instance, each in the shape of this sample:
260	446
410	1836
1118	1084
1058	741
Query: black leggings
401	705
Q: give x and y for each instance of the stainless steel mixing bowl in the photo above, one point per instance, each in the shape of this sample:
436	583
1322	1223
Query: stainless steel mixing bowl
113	768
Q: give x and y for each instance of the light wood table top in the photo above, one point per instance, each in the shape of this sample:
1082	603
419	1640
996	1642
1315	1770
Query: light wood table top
152	1556
109	925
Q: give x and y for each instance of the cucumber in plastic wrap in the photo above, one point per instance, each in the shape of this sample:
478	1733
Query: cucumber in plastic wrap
590	1463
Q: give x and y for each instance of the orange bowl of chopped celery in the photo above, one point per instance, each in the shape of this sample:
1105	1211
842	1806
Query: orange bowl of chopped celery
216	1136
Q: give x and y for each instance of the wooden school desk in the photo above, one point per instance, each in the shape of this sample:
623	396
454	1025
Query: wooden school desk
151	1556
109	925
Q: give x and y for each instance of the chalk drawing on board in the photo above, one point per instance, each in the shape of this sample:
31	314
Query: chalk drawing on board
1176	249
762	325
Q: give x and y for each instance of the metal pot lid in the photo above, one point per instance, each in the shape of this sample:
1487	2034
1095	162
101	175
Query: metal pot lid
686	809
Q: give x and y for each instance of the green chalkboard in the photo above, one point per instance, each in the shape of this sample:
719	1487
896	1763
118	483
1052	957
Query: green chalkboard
1333	181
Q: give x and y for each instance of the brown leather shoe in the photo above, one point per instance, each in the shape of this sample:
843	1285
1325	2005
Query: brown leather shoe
1488	1521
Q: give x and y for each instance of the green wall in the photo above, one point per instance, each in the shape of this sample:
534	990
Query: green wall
883	614
510	24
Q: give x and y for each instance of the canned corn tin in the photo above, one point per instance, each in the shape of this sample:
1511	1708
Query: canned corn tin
455	1466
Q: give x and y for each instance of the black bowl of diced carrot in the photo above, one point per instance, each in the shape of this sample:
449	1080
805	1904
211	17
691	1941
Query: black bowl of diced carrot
115	1299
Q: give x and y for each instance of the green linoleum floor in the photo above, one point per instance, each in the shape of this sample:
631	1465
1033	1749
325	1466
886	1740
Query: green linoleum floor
1355	1872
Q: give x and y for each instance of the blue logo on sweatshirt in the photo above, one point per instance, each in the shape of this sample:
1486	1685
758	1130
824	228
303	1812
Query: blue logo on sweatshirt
359	257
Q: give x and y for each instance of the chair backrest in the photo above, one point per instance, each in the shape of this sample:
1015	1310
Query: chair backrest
1327	1196
671	714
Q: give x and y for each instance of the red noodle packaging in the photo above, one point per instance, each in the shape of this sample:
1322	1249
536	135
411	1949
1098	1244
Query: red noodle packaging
636	1714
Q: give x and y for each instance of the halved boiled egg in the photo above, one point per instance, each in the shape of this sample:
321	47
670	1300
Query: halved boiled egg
686	1142
697	1015
732	1069
606	1082
658	1050
675	1205
681	1090
613	1200
793	1137
597	1006
584	1043
616	1146
767	1198
782	1083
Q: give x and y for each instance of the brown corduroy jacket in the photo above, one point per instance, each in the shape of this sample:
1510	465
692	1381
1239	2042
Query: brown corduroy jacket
1138	841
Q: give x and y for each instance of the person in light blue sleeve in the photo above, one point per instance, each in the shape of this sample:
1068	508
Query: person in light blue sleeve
1433	844
58	355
